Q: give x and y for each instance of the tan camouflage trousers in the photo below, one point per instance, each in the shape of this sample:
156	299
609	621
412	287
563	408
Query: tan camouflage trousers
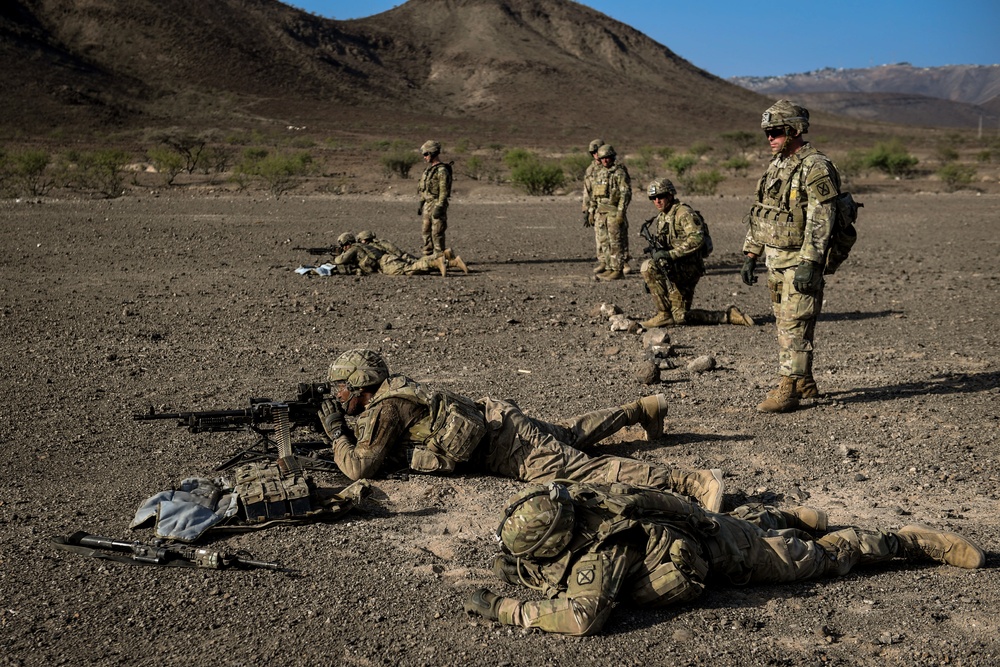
746	554
432	230
531	450
675	296
397	266
611	236
795	316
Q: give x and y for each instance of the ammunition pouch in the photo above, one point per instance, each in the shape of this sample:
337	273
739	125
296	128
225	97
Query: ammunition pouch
268	492
777	228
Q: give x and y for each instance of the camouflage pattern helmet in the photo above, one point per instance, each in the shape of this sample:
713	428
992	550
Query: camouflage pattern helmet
606	150
359	368
661	186
346	238
785	114
538	522
594	145
366	235
430	148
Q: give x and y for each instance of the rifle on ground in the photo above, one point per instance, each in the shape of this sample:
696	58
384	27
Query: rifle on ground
158	553
320	250
272	443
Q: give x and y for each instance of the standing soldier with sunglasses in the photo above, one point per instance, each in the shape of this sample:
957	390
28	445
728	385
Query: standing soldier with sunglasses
790	226
434	191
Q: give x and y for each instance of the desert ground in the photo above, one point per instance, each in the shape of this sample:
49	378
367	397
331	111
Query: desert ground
190	302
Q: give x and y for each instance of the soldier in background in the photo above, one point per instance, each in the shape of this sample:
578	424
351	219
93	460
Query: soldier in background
434	191
790	226
355	258
588	212
403	425
588	547
611	194
396	262
677	263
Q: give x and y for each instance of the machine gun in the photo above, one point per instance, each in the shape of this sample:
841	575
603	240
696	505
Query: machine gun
272	443
158	553
320	250
655	247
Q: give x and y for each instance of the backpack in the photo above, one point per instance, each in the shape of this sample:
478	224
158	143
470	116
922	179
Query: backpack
844	235
706	246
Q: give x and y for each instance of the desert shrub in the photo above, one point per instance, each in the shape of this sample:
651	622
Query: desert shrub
187	145
984	155
576	165
957	176
248	167
168	162
215	158
537	178
399	163
479	168
853	164
700	148
280	172
102	171
741	140
680	164
28	172
665	152
945	154
737	164
702	183
891	157
517	156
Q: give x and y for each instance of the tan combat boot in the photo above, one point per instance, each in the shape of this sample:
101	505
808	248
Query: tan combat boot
610	275
783	399
735	316
705	486
807	387
661	319
806	518
442	264
600	268
456	263
652	411
920	542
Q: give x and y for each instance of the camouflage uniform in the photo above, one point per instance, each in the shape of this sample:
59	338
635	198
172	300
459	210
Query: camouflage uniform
611	194
588	188
654	548
360	259
790	224
672	283
406	426
434	191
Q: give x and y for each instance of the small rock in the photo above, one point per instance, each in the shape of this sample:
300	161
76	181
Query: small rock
860	477
620	323
610	309
656	338
649	373
702	364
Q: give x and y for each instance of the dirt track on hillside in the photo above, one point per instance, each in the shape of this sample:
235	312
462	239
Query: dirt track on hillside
192	303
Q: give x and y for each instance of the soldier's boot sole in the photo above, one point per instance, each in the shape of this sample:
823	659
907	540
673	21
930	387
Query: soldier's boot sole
652	411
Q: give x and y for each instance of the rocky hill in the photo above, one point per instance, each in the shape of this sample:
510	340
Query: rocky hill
949	96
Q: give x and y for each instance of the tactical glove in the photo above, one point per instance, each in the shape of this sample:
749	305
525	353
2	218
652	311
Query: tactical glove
661	256
808	277
420	208
587	222
438	211
332	419
746	273
485	603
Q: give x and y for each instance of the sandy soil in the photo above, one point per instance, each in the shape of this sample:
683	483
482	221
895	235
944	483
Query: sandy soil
191	302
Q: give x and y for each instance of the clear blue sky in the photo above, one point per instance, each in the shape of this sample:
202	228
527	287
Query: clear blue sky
741	37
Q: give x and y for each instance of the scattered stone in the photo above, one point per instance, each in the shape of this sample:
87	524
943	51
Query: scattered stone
609	309
656	338
860	477
620	323
702	364
649	373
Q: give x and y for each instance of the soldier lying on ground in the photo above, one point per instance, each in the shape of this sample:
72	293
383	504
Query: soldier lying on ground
397	262
587	547
404	425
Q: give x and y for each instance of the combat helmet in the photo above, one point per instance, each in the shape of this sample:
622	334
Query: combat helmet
346	238
786	114
661	186
606	150
430	148
538	522
359	368
594	145
365	236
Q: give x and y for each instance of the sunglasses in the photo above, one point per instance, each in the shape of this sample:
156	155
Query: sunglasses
660	196
426	154
774	132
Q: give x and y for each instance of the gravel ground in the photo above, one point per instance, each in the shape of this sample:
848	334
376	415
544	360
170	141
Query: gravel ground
191	302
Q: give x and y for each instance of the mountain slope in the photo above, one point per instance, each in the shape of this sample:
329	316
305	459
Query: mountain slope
520	65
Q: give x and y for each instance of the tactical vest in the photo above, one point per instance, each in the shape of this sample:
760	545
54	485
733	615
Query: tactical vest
448	434
605	191
778	219
429	187
268	492
676	232
673	570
